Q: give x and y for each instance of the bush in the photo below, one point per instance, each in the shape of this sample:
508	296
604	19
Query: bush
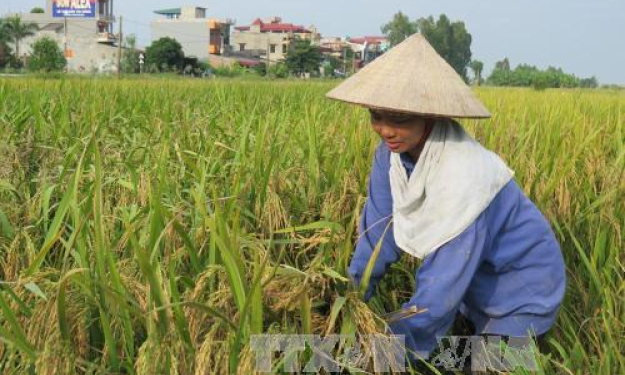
541	82
234	70
166	54
261	69
279	70
530	76
330	66
46	56
589	83
303	57
130	55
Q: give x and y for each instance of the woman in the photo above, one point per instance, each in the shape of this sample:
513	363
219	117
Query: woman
489	256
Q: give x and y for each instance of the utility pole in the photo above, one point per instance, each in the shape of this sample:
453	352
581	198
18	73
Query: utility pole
65	43
119	48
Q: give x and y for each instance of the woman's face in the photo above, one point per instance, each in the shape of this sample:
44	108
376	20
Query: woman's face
401	132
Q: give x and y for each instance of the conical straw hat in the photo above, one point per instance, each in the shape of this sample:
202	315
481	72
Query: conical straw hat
411	78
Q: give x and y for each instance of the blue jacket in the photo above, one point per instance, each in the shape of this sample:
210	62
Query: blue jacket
505	272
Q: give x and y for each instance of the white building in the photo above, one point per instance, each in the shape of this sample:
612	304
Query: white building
270	38
88	41
199	36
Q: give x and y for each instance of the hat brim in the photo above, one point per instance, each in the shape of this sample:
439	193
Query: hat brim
412	78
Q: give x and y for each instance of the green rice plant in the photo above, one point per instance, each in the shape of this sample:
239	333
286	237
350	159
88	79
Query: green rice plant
153	226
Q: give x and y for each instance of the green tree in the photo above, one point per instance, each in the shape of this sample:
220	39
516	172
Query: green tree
37	10
450	39
503	65
303	57
331	65
17	30
477	67
5	54
46	56
501	74
348	63
5	50
525	75
130	55
589	83
4	33
165	53
399	28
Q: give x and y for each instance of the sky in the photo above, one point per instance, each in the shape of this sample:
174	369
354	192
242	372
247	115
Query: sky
583	37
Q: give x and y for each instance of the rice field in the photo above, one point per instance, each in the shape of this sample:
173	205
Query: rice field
153	227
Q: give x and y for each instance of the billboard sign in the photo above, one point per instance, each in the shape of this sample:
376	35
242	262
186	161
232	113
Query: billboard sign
73	8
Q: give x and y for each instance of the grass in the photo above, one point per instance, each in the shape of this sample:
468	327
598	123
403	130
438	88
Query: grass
152	227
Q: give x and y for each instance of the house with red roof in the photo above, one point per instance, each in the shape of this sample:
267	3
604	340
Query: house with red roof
371	40
353	53
367	48
269	39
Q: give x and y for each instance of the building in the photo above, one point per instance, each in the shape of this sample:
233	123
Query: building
368	48
333	46
88	40
353	53
199	36
269	39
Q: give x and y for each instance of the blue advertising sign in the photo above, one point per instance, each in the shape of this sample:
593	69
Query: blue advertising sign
73	8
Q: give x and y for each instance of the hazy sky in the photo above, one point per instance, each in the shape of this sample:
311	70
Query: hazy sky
584	37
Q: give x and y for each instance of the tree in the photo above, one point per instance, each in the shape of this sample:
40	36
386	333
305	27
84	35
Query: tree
589	83
190	64
501	74
303	57
46	56
399	28
348	62
37	10
525	75
331	65
503	65
5	54
5	50
16	31
477	67
165	53
130	55
451	40
4	33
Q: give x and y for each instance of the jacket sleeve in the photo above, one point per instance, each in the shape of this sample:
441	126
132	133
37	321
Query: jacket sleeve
374	220
442	281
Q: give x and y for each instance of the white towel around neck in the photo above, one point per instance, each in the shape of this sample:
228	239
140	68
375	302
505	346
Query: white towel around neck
453	182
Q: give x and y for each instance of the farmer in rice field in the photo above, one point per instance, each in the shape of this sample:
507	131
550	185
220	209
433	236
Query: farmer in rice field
489	257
